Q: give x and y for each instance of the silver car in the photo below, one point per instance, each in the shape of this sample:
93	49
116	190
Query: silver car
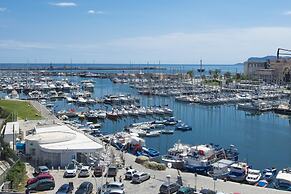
111	187
140	177
115	191
128	175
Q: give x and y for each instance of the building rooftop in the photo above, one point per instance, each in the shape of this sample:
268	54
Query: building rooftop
9	128
60	137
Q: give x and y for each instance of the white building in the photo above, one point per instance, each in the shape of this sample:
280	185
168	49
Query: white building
58	145
11	132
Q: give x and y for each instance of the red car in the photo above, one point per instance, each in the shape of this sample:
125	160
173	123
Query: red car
39	177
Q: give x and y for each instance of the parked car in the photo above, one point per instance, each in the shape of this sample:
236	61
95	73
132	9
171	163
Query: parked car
65	189
186	190
85	171
71	170
140	177
115	191
128	175
112	171
42	185
39	177
41	169
85	188
111	186
167	188
207	191
98	170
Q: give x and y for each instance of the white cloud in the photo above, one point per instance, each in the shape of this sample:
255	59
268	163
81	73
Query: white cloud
64	4
18	45
287	13
225	46
93	12
2	9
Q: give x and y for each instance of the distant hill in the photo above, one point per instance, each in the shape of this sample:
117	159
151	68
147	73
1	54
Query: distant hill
262	59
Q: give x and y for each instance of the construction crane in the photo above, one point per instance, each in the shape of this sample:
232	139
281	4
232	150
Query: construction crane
286	52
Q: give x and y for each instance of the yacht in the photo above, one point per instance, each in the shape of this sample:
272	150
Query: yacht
283	179
253	176
220	169
200	158
238	172
269	174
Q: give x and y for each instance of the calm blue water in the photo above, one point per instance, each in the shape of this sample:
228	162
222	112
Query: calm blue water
263	140
170	68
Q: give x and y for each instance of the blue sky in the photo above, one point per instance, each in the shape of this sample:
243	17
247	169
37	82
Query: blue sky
120	31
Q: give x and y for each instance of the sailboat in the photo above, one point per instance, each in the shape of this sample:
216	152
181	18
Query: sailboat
201	69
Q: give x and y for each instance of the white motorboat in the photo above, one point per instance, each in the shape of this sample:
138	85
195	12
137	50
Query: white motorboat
283	179
253	176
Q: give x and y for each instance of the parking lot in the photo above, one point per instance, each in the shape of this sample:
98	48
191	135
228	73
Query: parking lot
152	185
149	186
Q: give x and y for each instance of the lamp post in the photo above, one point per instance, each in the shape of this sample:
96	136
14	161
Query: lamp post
169	182
95	181
195	175
214	180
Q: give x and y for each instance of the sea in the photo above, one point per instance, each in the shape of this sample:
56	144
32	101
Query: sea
263	141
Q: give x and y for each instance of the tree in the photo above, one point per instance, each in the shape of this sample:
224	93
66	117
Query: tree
190	73
216	74
227	74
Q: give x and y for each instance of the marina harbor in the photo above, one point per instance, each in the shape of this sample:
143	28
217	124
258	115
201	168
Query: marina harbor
158	116
145	97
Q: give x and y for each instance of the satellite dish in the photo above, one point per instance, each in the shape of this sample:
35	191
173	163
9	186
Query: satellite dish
169	165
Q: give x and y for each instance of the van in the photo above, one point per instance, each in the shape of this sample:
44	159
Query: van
98	170
112	171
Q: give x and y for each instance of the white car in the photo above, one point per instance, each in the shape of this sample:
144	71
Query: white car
115	191
85	171
140	177
128	175
71	170
111	187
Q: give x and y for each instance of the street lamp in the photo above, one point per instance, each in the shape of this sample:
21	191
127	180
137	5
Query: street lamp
195	175
95	181
214	180
169	182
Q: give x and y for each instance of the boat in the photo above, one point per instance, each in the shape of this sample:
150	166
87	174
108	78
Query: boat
167	132
283	180
170	121
153	133
232	153
262	183
200	157
238	172
220	169
253	176
175	155
112	115
269	174
151	152
183	127
283	109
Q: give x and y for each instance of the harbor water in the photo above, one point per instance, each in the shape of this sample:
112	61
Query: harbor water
263	140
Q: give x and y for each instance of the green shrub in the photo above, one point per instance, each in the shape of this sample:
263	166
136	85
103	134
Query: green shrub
16	174
141	159
154	165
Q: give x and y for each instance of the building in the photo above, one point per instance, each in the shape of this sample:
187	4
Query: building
269	69
10	133
58	145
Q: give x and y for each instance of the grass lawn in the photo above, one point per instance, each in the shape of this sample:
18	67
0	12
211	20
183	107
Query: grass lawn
23	109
